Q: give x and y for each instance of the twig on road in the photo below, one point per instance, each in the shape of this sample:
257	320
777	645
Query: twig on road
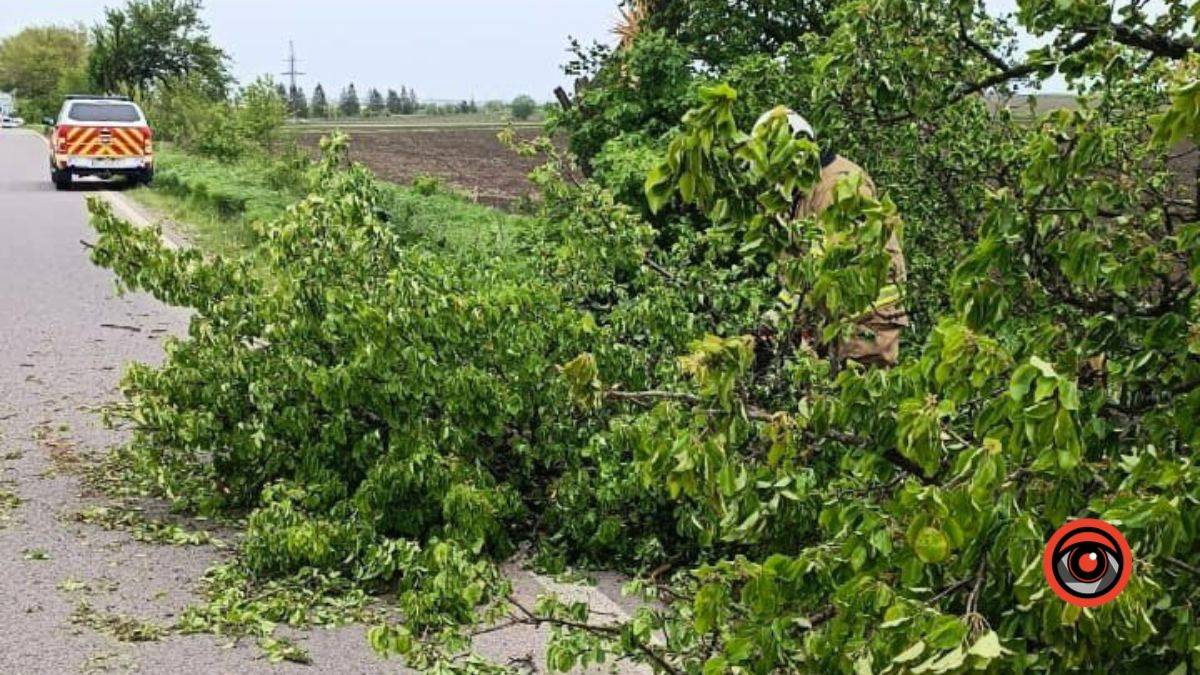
116	326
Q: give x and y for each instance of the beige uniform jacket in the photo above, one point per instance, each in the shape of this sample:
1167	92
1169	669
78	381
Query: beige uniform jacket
877	341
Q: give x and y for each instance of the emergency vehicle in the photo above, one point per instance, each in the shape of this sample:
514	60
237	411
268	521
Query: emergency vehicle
102	136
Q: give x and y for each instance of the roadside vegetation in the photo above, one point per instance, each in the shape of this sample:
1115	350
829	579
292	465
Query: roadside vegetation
217	203
43	64
213	202
399	391
133	51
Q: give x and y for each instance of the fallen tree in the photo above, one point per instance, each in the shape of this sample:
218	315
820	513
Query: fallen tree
647	383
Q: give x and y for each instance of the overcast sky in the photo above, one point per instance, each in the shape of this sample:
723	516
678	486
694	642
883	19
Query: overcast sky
445	49
449	49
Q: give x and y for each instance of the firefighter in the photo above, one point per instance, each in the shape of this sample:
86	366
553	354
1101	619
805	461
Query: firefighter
877	335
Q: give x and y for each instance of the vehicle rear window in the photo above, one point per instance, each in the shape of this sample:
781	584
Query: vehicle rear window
104	112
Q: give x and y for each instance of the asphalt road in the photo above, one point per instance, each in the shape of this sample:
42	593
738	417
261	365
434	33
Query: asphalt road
65	337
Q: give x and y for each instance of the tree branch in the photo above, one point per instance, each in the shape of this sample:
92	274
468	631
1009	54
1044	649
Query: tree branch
1023	70
662	271
908	466
974	44
610	631
1151	402
1006	74
654	395
951	589
1140	37
980	577
1183	566
821	617
563	99
651	396
1156	43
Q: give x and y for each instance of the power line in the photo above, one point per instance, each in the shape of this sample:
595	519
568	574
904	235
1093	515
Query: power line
292	61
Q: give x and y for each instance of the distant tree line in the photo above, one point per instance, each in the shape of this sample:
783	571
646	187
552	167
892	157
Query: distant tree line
349	103
135	50
160	51
403	102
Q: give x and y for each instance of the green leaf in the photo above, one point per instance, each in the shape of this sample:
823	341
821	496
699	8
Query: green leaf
911	653
716	665
1043	367
931	545
1021	381
987	646
946	632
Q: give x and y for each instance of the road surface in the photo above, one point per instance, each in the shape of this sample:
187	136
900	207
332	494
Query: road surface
65	337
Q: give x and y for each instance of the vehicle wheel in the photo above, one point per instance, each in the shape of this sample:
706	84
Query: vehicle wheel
145	178
62	179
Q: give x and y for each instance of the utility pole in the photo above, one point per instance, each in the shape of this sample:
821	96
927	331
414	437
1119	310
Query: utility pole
292	73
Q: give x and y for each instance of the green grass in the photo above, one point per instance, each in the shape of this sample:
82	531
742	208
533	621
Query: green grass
447	220
215	204
211	232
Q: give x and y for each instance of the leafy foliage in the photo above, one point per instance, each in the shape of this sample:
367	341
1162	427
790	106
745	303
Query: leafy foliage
897	518
149	42
43	64
719	33
639	90
523	107
184	112
348	104
640	379
401	509
319	106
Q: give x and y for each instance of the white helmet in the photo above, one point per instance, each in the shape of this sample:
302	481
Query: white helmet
796	121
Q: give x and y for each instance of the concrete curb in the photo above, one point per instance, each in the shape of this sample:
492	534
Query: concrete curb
127	210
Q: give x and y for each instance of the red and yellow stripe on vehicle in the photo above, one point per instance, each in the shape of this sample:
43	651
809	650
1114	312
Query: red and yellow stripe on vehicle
105	142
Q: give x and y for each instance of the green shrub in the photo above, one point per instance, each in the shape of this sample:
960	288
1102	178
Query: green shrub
427	185
183	111
523	107
260	113
642	90
219	137
291	172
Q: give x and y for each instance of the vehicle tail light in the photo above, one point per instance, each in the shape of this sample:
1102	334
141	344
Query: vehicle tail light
147	140
60	138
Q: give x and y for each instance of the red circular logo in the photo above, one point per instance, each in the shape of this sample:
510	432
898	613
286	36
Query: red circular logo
1087	562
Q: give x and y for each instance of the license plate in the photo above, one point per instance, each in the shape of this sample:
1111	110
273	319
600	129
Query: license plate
107	162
